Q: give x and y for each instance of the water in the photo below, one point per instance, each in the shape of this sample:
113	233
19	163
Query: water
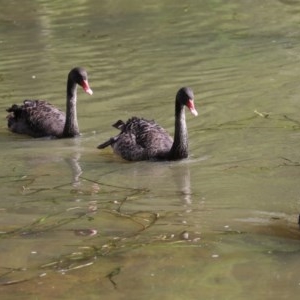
79	223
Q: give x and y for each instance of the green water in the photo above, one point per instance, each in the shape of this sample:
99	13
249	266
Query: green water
80	223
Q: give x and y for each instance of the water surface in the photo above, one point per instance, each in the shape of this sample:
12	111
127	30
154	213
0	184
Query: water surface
79	223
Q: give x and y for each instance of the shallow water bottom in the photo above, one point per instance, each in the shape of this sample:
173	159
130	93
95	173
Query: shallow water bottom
208	266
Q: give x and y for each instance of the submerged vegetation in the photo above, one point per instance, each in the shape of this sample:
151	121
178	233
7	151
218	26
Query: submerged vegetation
92	243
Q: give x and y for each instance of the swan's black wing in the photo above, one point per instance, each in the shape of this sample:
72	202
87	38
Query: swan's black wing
140	139
36	118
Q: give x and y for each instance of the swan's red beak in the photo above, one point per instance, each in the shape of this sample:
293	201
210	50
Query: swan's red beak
86	87
191	107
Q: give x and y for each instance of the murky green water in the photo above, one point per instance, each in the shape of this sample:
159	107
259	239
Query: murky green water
79	223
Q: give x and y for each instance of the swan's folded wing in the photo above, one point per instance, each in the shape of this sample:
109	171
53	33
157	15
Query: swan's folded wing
36	118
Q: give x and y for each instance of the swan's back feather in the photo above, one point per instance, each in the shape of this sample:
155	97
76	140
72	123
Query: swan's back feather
36	118
140	139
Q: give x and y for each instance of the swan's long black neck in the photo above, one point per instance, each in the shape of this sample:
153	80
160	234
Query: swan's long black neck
179	148
71	128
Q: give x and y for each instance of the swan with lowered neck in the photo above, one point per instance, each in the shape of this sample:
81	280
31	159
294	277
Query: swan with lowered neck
39	118
141	139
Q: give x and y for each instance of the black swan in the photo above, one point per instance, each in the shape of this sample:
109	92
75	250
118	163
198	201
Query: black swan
141	139
39	118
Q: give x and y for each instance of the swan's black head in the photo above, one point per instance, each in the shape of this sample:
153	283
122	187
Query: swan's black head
79	75
185	96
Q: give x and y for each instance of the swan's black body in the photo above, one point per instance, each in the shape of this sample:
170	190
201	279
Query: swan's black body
141	139
39	118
